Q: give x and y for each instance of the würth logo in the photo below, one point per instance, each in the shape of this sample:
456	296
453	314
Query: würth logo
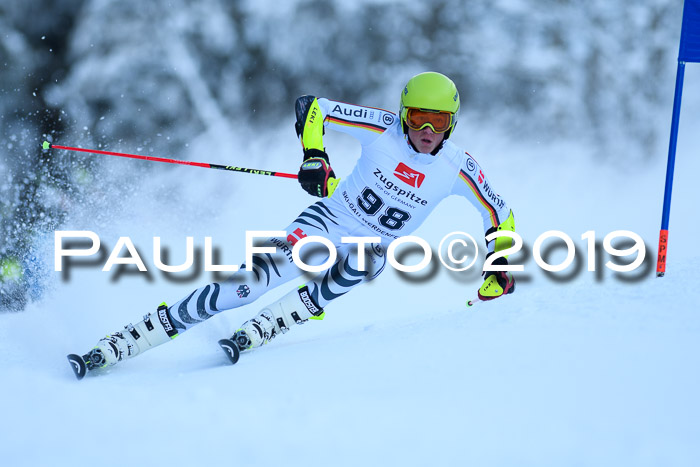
408	175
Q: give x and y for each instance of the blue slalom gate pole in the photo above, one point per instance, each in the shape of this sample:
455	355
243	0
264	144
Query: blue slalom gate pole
689	51
663	235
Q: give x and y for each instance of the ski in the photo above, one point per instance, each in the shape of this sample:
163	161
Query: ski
82	365
231	349
88	362
79	366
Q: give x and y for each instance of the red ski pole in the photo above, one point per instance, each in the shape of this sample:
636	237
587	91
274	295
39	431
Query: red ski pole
48	145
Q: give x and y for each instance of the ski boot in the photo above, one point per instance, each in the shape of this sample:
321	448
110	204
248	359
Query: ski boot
296	307
128	343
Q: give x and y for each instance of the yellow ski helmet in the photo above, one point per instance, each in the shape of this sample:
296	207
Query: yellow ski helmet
432	92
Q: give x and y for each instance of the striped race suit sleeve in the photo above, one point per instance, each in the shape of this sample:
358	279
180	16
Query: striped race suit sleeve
365	124
472	183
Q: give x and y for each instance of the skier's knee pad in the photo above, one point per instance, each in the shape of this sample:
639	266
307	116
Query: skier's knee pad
375	256
368	266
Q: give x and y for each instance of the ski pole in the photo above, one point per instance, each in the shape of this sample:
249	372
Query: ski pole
48	145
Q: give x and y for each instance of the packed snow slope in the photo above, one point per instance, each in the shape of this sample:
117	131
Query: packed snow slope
575	368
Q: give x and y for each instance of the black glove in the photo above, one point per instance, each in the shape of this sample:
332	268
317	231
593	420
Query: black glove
315	172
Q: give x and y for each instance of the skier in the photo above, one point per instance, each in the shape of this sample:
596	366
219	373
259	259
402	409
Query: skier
407	166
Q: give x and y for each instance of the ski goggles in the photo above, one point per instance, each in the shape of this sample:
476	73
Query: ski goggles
417	119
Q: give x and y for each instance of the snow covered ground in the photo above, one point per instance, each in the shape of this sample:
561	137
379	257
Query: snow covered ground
581	369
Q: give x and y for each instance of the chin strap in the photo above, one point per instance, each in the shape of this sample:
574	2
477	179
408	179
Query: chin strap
439	146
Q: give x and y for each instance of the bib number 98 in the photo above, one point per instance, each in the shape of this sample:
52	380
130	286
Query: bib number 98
371	203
